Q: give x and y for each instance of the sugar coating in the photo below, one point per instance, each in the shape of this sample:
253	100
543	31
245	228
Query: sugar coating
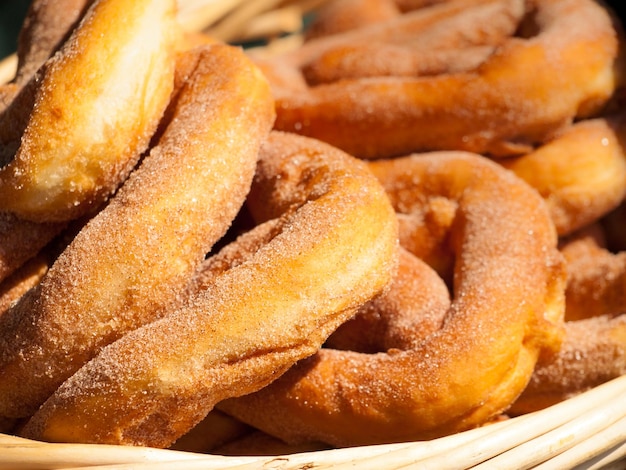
502	108
134	258
506	309
297	277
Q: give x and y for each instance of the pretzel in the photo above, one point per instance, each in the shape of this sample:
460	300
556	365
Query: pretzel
529	88
330	246
506	311
133	259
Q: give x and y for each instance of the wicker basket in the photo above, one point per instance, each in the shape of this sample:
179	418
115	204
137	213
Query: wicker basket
587	431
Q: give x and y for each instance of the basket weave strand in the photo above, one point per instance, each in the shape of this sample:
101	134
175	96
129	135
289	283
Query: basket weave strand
588	431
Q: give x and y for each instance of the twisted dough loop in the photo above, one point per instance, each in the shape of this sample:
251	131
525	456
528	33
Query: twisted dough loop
594	348
506	311
130	262
333	248
96	105
566	70
581	173
422	42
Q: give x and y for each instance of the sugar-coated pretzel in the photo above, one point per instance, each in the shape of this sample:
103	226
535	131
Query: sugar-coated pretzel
506	310
331	246
96	104
581	172
135	256
594	347
562	67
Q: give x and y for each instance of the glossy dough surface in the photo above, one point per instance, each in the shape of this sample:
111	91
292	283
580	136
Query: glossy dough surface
581	172
96	105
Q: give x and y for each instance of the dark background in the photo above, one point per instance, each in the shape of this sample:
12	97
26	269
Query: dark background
12	12
11	16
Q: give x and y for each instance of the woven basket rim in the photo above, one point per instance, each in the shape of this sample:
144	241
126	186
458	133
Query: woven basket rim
586	431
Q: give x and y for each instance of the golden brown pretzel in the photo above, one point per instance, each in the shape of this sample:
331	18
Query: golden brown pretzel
528	89
134	257
331	246
432	41
95	107
594	348
506	311
581	173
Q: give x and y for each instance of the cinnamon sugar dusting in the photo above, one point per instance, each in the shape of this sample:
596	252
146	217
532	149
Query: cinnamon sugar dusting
331	250
131	261
421	387
233	256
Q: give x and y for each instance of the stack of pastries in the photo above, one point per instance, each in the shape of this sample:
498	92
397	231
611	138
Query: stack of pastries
405	227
